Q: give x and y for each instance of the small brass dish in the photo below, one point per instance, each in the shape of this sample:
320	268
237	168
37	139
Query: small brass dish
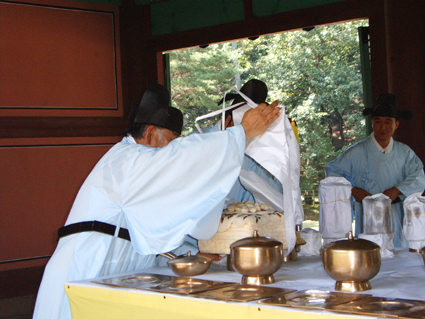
241	293
312	299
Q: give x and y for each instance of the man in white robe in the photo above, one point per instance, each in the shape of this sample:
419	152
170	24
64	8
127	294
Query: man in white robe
158	186
257	91
379	164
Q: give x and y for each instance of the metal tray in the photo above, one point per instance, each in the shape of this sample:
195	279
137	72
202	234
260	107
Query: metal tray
241	292
161	283
384	307
312	299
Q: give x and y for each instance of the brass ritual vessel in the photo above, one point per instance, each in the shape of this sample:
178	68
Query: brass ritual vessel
422	251
187	266
292	256
257	258
352	263
162	283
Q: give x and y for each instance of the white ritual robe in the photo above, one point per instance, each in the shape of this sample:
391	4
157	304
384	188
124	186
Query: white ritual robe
159	194
239	192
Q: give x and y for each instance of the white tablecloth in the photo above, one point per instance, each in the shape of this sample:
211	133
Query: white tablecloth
402	276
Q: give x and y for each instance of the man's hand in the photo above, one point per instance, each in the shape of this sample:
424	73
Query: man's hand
392	193
359	194
256	121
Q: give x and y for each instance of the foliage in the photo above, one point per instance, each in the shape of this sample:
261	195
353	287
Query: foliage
315	74
199	78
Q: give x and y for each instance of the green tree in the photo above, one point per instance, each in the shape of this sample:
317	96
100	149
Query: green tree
316	75
199	78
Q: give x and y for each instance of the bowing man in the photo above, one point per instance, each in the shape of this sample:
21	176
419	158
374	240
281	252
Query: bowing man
145	195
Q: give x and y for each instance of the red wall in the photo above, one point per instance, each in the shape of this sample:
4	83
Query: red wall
38	185
61	109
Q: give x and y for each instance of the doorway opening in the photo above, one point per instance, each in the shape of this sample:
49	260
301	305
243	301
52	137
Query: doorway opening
316	73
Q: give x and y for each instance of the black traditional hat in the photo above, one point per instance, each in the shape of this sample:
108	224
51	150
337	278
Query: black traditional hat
154	109
256	90
386	106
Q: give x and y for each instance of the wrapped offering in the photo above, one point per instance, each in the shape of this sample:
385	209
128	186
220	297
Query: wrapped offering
240	220
414	221
335	208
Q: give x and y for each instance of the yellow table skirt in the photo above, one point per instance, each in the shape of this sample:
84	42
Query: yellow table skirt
107	303
401	276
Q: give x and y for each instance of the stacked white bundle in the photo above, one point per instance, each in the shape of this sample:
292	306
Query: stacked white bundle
240	220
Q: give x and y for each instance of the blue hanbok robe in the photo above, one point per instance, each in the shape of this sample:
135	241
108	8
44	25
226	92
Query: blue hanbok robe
364	166
160	194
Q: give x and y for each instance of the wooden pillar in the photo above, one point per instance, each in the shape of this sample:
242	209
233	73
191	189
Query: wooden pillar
405	30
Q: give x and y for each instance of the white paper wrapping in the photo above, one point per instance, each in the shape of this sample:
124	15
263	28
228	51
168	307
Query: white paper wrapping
414	221
385	241
261	190
313	240
377	214
277	150
335	219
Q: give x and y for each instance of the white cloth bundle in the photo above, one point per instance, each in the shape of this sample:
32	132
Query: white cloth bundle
385	241
277	150
377	214
261	190
313	241
335	219
414	220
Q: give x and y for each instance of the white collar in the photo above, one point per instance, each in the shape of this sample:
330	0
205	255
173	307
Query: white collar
129	139
386	150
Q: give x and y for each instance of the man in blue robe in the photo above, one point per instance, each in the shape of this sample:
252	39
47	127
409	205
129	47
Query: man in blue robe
145	195
379	164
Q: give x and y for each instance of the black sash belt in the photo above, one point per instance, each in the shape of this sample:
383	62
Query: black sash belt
94	225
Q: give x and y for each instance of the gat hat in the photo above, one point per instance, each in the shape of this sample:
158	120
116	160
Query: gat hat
256	90
154	109
386	106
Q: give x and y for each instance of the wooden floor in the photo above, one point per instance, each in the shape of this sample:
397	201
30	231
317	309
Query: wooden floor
18	291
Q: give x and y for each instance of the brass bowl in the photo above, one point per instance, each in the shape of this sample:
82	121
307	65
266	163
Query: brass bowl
187	266
352	263
256	258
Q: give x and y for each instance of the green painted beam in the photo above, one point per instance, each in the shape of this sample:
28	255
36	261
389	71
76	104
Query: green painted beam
181	15
266	7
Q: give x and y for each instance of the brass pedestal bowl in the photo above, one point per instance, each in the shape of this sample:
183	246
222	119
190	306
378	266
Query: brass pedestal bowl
352	263
257	259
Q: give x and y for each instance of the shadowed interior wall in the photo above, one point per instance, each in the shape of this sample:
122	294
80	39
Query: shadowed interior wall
39	184
61	109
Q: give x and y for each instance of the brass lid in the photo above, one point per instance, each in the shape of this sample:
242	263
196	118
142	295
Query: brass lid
351	244
256	242
189	259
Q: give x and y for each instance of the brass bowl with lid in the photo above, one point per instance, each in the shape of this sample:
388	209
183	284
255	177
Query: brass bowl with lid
257	258
352	263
